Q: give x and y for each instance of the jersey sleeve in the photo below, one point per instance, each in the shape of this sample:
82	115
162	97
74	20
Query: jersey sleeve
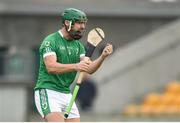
48	48
81	50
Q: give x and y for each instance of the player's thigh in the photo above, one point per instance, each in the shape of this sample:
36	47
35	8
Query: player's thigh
54	117
72	120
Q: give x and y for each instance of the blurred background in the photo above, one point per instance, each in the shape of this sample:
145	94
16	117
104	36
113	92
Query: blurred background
138	82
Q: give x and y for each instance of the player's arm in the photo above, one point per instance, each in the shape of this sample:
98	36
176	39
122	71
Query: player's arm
55	67
94	65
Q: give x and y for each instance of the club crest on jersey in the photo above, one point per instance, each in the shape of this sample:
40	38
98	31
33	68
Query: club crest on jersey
47	43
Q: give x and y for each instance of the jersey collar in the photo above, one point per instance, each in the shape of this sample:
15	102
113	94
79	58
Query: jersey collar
60	33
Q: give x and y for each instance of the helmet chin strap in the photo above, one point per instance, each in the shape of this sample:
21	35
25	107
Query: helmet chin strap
70	25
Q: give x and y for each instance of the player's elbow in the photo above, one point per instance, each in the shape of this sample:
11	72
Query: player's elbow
50	69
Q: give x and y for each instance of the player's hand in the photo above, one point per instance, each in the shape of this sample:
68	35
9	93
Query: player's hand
107	50
83	66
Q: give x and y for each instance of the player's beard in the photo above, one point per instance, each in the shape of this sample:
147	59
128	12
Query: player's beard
75	34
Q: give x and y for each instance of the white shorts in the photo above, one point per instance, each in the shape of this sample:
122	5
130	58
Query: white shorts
52	101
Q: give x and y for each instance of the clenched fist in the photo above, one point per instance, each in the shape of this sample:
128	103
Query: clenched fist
83	65
107	50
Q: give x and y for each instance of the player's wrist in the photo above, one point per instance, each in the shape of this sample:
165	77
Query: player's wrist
75	67
103	56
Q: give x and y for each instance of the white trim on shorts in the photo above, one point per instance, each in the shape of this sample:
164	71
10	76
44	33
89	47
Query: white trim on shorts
57	103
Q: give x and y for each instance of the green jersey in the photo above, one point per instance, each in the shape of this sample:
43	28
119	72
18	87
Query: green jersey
67	52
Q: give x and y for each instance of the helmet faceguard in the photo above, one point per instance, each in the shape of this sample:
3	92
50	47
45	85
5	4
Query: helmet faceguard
73	16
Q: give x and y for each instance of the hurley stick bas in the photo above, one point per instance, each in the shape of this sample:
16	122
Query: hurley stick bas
95	36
